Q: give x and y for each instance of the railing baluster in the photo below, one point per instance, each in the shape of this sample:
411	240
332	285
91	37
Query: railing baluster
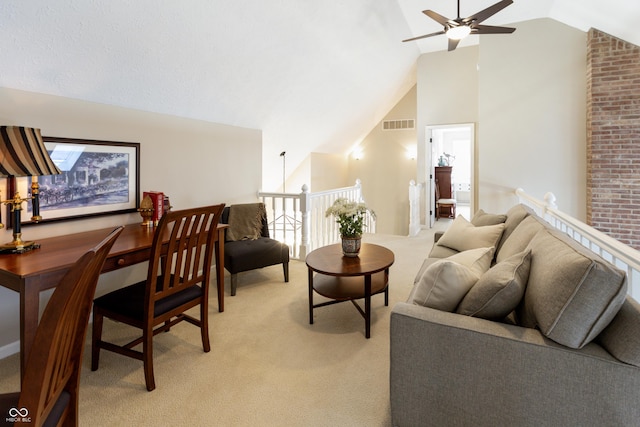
304	225
273	208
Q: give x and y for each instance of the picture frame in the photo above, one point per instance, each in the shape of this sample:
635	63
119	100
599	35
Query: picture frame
98	178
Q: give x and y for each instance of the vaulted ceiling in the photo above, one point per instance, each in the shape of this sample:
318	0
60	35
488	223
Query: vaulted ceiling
312	75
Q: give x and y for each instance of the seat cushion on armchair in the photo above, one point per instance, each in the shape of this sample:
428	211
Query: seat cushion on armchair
244	255
572	294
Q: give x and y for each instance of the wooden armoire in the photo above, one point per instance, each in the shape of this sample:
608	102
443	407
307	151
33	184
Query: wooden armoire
444	191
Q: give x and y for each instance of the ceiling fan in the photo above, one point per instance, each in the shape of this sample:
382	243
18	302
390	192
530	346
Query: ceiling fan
459	28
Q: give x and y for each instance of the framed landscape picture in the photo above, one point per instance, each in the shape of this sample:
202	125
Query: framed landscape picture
98	178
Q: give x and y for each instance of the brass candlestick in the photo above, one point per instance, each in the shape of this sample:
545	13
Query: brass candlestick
35	202
17	243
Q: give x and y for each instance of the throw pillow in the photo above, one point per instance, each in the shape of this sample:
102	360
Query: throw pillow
463	236
515	215
441	252
520	238
499	291
443	283
572	293
481	219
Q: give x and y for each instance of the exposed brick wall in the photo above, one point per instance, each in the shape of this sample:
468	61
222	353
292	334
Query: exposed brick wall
613	137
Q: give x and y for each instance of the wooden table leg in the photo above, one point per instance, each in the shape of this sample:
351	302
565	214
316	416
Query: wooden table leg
310	297
219	247
367	305
386	290
29	313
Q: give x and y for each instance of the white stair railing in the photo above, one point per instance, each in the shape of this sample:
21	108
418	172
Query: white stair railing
298	219
284	216
622	256
414	208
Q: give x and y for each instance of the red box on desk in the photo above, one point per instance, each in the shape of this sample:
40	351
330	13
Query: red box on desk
157	197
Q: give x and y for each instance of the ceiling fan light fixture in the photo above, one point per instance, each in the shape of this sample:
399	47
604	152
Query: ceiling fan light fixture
459	32
458	28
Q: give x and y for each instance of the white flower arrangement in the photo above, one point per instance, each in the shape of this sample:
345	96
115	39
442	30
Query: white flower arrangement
349	216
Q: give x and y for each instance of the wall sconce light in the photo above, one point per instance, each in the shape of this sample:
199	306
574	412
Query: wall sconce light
411	153
357	153
22	153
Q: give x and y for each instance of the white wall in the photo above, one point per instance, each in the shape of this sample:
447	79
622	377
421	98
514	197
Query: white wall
527	93
194	162
447	94
385	170
532	114
329	171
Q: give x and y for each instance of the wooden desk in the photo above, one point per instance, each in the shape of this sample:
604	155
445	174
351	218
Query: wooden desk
32	272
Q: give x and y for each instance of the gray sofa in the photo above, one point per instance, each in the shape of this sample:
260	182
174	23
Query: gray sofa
557	343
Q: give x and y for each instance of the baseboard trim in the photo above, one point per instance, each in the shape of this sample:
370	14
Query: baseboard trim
10	349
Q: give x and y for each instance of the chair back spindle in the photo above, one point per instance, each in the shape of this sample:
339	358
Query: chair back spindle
178	261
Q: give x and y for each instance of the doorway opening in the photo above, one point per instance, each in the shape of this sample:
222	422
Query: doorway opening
451	146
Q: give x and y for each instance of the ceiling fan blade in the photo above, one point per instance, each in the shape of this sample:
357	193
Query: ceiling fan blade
424	37
436	17
489	29
488	12
453	43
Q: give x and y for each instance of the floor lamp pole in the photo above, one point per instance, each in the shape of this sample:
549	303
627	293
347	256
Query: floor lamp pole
288	222
283	155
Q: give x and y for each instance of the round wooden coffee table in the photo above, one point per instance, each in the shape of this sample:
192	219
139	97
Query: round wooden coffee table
344	278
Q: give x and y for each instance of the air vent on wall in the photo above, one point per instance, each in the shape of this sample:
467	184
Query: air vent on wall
401	124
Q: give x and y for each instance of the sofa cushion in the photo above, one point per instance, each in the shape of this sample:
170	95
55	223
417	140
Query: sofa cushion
498	291
515	216
481	219
441	284
520	238
466	258
621	337
572	294
441	252
463	236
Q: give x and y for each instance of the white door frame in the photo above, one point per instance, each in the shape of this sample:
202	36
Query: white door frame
430	164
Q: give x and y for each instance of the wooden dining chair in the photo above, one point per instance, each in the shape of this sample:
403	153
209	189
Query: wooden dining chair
177	280
50	383
444	204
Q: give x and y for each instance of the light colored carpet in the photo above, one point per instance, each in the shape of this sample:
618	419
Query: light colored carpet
267	367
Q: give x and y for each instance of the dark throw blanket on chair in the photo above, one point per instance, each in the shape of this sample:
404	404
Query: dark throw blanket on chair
245	221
